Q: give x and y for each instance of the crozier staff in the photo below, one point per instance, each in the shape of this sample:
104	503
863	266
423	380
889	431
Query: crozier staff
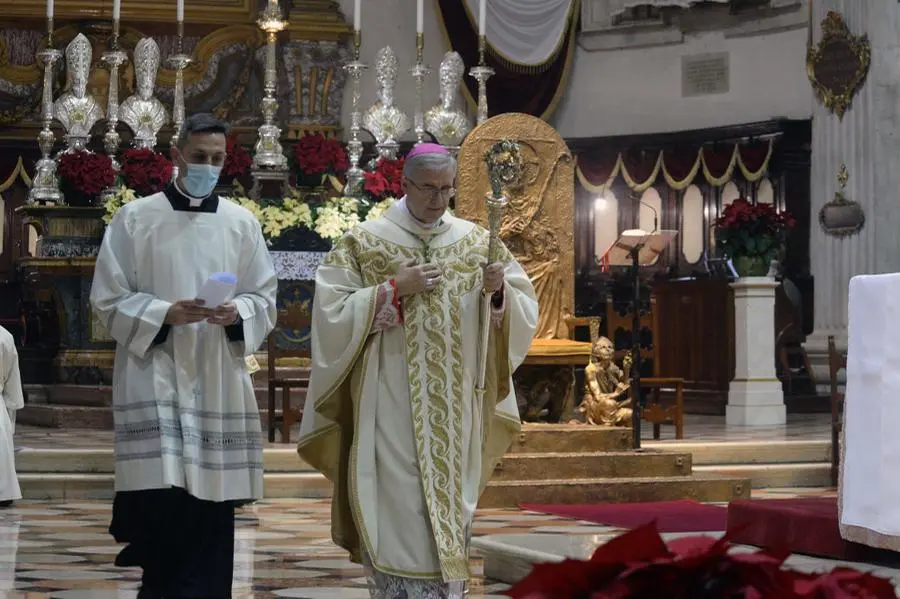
392	417
188	437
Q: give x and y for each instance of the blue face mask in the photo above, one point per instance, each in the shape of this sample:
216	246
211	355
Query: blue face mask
201	179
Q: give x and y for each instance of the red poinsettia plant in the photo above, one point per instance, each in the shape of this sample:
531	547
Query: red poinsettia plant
84	175
145	171
384	180
747	231
237	160
317	156
640	565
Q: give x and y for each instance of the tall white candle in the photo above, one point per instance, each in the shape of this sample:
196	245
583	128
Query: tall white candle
49	9
117	9
357	15
180	14
482	16
420	16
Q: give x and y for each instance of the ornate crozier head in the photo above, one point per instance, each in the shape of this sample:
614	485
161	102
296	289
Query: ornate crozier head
78	65
451	74
146	66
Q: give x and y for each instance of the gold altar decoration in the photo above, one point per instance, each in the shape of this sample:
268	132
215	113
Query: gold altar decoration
606	400
539	225
837	67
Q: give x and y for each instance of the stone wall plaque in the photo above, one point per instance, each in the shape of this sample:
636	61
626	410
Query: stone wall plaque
838	65
705	75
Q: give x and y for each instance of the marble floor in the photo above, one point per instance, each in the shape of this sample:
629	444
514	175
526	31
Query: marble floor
283	549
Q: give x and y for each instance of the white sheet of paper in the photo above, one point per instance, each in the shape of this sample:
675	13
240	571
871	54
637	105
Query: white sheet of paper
218	289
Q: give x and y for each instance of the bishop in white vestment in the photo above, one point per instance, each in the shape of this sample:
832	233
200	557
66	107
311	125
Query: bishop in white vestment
13	400
187	432
392	415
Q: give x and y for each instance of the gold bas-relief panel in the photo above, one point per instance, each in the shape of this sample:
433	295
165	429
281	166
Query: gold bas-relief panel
538	227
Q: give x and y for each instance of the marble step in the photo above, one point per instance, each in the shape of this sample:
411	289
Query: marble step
700	487
74	487
102	461
543	438
750	452
775	476
538	466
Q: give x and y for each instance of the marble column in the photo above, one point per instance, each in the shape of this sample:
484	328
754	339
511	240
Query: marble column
867	140
755	397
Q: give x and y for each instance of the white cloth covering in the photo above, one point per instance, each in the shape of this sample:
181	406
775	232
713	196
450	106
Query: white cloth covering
185	410
869	490
527	32
13	400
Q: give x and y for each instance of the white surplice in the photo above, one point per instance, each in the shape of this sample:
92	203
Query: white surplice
185	410
392	416
869	489
13	400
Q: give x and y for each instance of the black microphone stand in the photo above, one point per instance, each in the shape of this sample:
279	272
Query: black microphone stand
637	402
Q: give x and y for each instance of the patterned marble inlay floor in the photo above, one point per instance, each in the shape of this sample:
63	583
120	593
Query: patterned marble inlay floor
283	549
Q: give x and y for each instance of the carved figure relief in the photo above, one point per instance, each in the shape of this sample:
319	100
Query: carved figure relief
143	112
606	401
538	227
75	109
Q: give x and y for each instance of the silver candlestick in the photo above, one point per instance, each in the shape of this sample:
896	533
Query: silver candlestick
420	71
268	151
355	69
113	58
178	61
45	187
482	73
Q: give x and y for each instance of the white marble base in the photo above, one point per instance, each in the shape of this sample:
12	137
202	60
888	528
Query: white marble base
509	558
755	397
755	403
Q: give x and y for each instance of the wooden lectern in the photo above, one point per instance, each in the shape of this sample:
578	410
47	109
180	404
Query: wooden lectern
636	248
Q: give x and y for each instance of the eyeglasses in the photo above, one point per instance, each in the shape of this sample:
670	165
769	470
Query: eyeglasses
433	192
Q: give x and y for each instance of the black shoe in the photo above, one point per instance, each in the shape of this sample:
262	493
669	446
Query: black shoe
6	504
146	593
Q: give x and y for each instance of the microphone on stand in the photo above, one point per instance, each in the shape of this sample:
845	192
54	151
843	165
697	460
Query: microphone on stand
635	198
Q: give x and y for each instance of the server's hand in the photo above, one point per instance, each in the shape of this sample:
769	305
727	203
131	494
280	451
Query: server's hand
187	312
225	315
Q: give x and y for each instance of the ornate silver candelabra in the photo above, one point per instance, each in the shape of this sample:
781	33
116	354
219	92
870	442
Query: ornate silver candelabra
178	61
355	69
385	121
113	59
482	73
45	187
268	152
420	71
445	121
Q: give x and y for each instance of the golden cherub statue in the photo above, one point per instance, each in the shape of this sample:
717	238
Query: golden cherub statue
606	401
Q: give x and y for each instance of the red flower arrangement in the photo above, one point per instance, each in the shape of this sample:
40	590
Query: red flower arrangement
85	174
238	160
316	155
753	232
145	171
639	565
384	181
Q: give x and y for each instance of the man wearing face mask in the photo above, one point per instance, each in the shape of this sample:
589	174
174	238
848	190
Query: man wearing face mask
188	437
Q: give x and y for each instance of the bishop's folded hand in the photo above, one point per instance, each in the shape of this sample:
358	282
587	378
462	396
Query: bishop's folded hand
187	312
493	277
412	278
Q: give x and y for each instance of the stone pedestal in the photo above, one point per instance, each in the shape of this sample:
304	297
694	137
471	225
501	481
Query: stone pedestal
755	397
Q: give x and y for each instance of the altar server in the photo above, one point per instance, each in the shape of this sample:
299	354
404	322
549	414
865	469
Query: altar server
188	437
392	417
13	400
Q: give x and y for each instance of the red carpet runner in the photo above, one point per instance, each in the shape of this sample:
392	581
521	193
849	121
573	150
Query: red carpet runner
670	516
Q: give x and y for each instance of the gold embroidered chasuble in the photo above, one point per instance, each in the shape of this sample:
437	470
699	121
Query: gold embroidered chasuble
392	417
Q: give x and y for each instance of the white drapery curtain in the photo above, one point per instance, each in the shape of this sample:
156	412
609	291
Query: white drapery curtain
619	7
526	32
